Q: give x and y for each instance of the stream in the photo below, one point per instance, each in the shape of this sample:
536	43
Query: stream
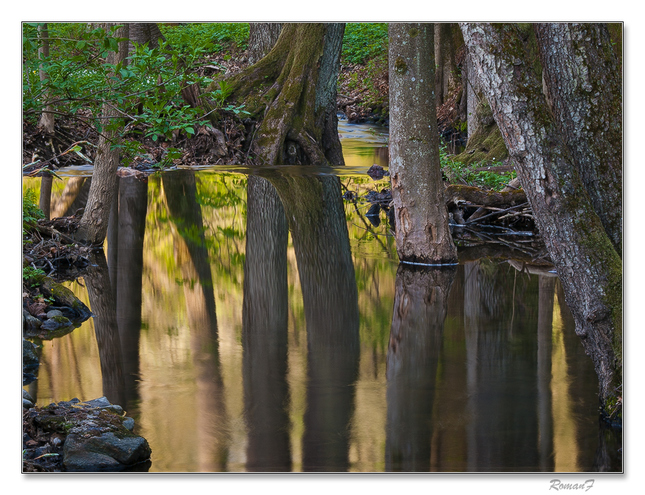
244	333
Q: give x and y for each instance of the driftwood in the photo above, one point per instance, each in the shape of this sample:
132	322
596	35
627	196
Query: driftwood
458	193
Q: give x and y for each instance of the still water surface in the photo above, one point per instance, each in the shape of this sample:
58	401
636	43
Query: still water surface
246	333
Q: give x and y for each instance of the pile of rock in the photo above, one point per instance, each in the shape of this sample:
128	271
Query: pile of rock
92	436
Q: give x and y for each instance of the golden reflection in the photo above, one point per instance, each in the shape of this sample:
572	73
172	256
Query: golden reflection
565	445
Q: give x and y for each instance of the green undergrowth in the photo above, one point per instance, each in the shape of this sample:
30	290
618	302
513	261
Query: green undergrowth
457	172
364	41
212	37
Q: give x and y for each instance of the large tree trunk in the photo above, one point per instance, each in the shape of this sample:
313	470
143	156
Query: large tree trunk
94	223
583	83
588	265
422	233
294	88
262	37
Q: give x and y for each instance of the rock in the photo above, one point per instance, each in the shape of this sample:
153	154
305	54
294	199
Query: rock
27	400
64	297
53	312
104	452
377	172
55	323
30	322
30	362
92	436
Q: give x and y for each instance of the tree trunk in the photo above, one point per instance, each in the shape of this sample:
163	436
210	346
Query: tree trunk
46	118
445	58
583	83
294	88
262	38
94	223
422	233
589	267
144	32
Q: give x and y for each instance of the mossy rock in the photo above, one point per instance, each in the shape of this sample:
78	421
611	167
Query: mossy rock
64	297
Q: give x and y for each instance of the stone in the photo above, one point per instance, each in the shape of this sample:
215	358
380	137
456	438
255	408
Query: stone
54	312
30	322
104	452
55	323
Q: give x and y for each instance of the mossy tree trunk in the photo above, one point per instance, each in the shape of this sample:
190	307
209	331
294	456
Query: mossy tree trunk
589	267
422	232
292	91
583	81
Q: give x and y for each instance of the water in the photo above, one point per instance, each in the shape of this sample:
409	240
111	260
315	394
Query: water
239	343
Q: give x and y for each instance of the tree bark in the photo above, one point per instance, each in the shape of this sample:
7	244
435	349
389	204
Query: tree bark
94	223
588	265
583	83
293	89
47	117
422	233
262	38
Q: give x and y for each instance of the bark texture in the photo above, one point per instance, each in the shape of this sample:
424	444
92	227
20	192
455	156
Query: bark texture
587	264
46	121
289	90
93	225
583	83
262	37
422	233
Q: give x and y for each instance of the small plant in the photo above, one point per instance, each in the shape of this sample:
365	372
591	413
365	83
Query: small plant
30	211
31	276
457	172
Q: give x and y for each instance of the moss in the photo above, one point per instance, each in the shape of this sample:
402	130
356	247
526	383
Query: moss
413	32
400	66
485	146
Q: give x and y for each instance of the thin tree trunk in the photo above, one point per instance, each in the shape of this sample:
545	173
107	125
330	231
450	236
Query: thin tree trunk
422	232
46	118
94	223
583	83
587	263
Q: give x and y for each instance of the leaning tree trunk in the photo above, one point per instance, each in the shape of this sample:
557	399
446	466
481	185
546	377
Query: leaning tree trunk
422	232
93	225
583	82
293	91
589	267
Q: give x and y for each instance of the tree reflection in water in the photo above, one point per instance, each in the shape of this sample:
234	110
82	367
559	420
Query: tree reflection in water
264	330
192	257
314	209
413	355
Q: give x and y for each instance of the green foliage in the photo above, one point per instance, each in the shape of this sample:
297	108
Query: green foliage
457	172
363	41
30	211
211	37
147	89
32	276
